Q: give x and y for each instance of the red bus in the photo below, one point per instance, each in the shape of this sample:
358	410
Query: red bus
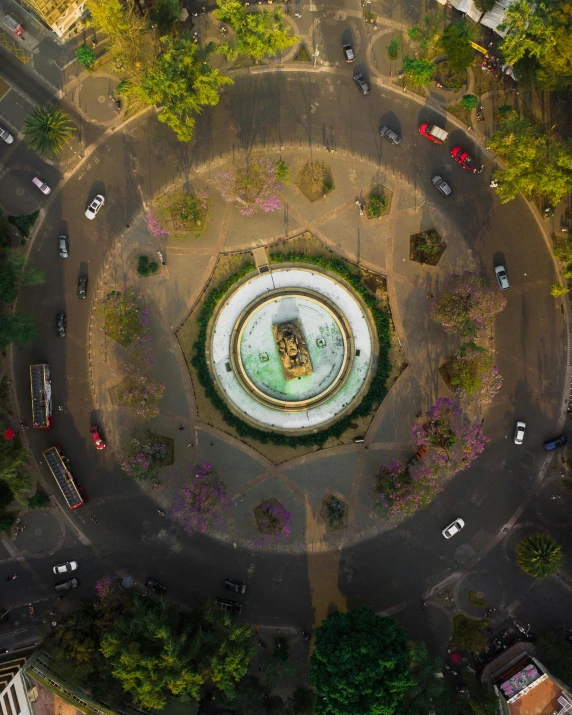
59	467
41	389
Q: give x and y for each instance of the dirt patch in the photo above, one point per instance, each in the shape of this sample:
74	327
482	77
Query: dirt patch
426	248
405	83
315	180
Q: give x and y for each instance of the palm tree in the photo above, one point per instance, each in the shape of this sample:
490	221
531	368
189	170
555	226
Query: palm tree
539	555
47	129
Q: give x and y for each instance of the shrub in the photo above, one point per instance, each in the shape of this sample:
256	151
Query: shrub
24	223
6	521
334	511
6	495
558	290
393	48
145	267
39	500
419	71
86	57
469	101
122	316
273	519
281	171
376	206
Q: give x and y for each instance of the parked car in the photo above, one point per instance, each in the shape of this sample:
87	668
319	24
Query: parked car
82	287
233	607
453	528
441	185
96	437
61	325
63	246
95	205
463	158
348	52
235	586
555	443
66	585
433	132
155	586
390	135
502	277
6	136
66	568
519	431
44	188
360	80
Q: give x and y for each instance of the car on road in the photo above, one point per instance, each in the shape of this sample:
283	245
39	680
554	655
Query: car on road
555	443
96	437
453	528
66	568
463	158
44	188
433	132
390	135
82	287
361	82
95	205
66	585
441	185
235	586
63	246
229	606
6	136
348	52
156	586
502	277
61	325
519	431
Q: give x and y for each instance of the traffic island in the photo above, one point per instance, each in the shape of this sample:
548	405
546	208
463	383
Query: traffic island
426	248
315	180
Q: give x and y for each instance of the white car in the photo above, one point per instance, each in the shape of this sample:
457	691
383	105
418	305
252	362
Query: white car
66	568
6	136
44	188
94	207
453	528
519	431
502	277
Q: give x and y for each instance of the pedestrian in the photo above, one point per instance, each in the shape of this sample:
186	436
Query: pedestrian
189	445
429	296
156	485
181	427
491	43
161	513
14	577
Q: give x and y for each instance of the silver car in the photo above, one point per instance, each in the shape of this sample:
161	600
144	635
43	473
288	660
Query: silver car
390	135
63	246
502	277
441	185
6	136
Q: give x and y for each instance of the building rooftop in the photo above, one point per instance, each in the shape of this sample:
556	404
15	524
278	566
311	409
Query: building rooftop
544	698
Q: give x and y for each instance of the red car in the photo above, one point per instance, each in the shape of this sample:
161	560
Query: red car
463	158
433	132
96	436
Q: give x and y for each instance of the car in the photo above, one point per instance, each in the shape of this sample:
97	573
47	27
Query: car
61	325
82	287
463	158
348	52
390	135
66	568
155	586
235	586
96	436
44	188
453	528
63	246
555	443
360	80
230	606
6	136
433	133
441	185
66	585
502	277
519	431
95	205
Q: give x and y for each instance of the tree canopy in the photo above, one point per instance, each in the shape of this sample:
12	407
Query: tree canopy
360	665
257	33
419	71
456	43
539	38
18	328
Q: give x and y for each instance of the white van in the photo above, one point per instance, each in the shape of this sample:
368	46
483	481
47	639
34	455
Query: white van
44	188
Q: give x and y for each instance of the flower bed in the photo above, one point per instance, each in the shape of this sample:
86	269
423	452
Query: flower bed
273	519
426	247
179	214
200	500
251	186
122	316
334	512
143	455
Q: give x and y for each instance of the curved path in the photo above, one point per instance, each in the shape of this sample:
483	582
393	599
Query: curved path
308	110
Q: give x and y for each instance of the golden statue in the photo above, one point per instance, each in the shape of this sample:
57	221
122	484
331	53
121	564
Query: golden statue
292	349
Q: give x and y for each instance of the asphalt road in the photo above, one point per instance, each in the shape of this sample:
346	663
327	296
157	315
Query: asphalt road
307	110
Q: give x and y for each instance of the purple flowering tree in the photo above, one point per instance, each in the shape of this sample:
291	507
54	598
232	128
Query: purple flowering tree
200	499
251	186
273	519
143	455
468	303
399	490
122	316
109	602
139	390
179	214
472	373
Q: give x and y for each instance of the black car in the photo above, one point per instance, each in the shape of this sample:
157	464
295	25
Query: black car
230	606
235	586
82	287
155	586
61	325
64	586
360	80
348	52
